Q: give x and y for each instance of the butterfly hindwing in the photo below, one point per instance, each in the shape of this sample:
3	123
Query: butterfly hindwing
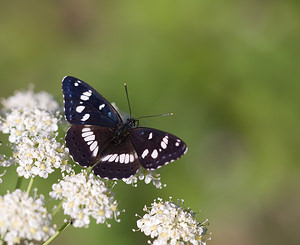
85	143
118	160
156	148
84	105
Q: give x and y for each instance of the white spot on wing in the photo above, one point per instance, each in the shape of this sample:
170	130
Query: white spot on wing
86	129
145	153
85	117
85	134
150	136
101	106
177	142
113	158
90	138
163	144
166	139
185	151
76	84
154	154
131	158
127	158
80	108
84	97
104	159
122	158
93	146
95	152
87	93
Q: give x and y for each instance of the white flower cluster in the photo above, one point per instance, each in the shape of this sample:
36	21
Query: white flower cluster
84	197
32	126
40	156
169	223
147	175
23	218
29	99
30	122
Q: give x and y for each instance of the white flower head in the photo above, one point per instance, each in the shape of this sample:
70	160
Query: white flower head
29	99
170	223
32	124
40	156
24	218
147	175
28	122
85	197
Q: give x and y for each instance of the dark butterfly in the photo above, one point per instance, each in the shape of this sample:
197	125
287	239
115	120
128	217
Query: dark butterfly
98	136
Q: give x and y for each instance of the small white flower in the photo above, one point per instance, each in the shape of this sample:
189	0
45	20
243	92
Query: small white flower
23	218
147	175
1	175
5	161
169	223
85	197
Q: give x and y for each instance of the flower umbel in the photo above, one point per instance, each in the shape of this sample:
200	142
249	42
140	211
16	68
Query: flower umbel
28	122
170	223
84	197
32	133
29	99
24	218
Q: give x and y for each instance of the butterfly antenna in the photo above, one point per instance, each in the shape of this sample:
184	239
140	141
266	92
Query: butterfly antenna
125	85
160	115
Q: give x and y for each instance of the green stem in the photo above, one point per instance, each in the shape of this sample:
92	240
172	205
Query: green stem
88	171
2	238
57	208
64	226
30	185
19	182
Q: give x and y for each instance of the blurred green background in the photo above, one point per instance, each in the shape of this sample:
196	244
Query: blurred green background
229	70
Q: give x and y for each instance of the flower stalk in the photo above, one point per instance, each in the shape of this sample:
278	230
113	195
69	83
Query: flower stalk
61	229
30	185
58	207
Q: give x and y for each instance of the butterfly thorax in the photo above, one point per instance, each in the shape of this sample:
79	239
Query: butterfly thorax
124	129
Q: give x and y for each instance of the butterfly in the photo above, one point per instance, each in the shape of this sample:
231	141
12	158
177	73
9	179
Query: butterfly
99	138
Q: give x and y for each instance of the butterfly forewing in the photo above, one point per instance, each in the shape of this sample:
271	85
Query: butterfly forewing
156	148
85	143
117	160
84	105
